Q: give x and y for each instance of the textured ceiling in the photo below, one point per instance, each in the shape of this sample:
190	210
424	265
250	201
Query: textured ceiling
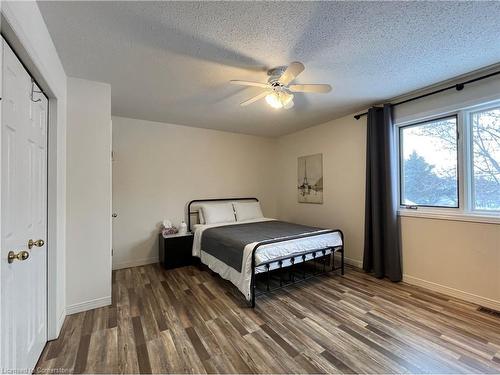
171	61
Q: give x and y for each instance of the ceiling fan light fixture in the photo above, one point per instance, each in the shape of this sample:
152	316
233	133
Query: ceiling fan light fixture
286	99
288	105
280	99
278	90
273	100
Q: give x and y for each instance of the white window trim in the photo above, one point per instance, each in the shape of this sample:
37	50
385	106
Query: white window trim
465	211
450	216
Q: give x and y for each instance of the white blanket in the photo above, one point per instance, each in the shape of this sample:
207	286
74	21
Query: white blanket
264	253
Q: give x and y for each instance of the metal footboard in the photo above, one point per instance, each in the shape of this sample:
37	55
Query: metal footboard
293	260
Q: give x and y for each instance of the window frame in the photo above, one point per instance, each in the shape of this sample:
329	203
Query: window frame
469	161
400	129
465	210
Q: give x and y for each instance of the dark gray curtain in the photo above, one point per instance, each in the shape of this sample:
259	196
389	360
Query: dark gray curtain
382	254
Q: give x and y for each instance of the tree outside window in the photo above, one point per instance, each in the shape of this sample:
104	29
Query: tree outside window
429	167
429	173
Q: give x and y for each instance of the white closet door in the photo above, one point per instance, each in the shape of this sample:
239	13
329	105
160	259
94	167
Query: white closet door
23	217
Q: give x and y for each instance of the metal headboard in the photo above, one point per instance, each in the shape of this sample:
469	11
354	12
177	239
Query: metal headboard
190	213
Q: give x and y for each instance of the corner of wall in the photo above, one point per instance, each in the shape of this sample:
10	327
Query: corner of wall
88	205
88	305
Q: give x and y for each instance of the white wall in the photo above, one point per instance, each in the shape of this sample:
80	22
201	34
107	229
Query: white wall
88	258
159	167
458	258
24	27
342	143
480	92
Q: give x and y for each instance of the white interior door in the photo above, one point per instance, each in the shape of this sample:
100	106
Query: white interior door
23	217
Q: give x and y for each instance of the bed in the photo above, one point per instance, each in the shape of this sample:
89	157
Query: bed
239	250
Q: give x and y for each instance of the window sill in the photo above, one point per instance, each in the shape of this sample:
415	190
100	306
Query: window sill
474	218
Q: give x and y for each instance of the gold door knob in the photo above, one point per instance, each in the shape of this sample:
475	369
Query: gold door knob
37	243
22	255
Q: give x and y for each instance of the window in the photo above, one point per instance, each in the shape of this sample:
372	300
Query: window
451	165
429	170
486	159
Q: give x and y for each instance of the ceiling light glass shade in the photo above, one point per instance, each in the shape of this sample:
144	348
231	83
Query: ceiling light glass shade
273	100
286	99
280	99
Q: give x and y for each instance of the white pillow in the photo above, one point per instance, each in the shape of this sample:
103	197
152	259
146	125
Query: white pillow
218	213
247	210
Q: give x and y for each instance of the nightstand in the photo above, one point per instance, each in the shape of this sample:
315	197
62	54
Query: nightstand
176	250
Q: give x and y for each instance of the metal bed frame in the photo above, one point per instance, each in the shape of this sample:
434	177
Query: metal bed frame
317	254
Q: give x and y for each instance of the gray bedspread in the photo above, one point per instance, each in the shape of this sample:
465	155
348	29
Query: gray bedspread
227	242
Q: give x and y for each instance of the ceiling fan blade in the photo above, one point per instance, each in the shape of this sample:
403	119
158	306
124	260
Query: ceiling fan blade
249	83
254	99
310	88
293	70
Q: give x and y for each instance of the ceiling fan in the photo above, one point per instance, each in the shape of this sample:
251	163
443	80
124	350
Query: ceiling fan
278	90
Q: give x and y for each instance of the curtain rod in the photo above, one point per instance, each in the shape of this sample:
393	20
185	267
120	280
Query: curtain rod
458	87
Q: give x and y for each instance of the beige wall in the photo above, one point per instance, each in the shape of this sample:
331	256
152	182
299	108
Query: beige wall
342	143
158	168
457	258
88	256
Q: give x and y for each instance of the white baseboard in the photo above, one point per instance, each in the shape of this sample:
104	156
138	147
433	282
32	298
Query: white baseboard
350	261
60	322
354	262
466	296
88	305
134	263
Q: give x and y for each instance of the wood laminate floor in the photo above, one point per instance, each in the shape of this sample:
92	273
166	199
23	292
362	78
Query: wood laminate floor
189	321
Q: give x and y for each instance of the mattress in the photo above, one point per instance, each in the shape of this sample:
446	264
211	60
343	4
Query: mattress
263	254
